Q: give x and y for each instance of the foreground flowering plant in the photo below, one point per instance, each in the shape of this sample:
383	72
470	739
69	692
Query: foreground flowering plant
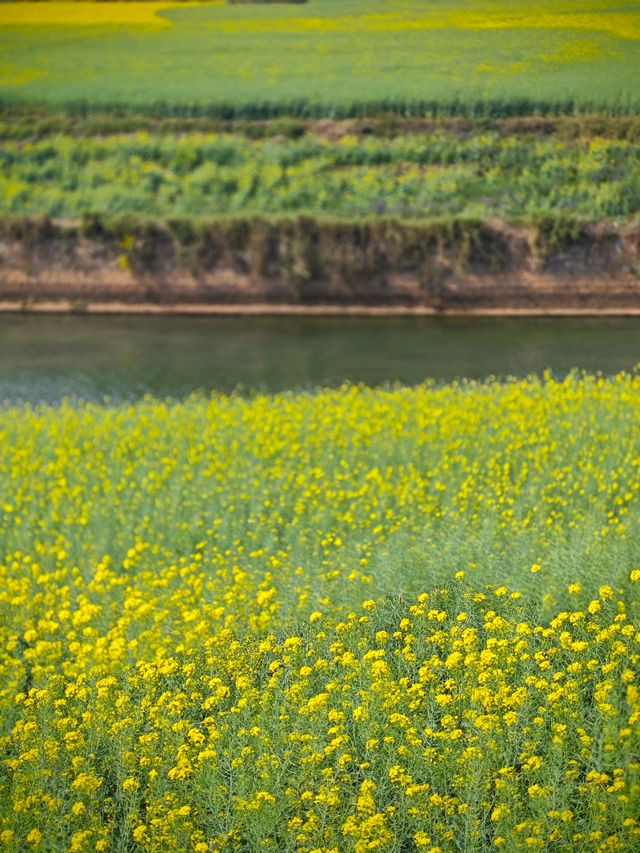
204	647
451	722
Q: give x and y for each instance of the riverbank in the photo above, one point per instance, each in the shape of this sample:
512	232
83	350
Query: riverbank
32	124
387	214
263	309
254	265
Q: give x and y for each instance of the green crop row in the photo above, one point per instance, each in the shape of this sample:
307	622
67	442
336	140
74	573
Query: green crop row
410	176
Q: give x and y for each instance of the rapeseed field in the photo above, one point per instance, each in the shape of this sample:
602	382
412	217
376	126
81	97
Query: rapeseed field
343	620
80	13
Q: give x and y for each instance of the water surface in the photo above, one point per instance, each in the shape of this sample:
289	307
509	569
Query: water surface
44	358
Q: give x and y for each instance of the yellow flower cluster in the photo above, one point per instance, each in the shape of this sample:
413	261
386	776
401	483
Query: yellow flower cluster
89	13
409	15
214	633
154	718
404	15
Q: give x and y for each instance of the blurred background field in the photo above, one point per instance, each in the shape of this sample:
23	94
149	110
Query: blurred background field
416	176
324	57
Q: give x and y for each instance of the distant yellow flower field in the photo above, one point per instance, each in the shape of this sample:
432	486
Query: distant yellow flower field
82	14
405	16
622	24
325	55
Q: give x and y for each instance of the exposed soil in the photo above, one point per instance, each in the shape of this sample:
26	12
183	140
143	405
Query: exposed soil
307	266
32	123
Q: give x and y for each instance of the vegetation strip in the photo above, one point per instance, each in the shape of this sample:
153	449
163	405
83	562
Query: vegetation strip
448	219
343	620
409	176
32	124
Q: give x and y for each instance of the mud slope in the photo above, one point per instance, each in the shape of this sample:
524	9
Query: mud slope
454	266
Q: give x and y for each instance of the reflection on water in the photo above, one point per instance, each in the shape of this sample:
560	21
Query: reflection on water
44	357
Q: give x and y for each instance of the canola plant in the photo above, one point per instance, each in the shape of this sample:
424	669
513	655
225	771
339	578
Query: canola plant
353	619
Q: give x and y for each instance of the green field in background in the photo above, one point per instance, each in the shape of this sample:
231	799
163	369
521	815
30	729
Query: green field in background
325	57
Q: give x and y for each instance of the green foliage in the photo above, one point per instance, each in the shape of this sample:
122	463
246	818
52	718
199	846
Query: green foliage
33	124
411	176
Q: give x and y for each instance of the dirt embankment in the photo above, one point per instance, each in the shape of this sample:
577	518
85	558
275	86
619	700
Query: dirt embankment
302	264
32	124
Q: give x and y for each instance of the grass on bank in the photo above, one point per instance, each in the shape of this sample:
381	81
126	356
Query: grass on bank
344	620
324	57
482	175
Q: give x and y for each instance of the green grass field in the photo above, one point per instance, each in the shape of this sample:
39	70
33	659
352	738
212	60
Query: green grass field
325	57
339	621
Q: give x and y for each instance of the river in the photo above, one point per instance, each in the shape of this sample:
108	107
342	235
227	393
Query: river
44	358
